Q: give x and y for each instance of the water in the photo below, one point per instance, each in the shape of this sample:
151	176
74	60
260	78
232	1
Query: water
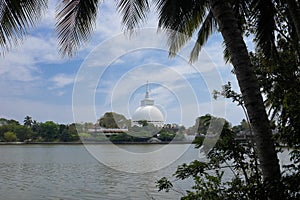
30	172
71	172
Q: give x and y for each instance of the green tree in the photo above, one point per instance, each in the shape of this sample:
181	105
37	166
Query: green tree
114	120
279	79
23	132
28	121
10	136
280	85
202	124
143	123
48	131
68	133
166	136
4	121
35	129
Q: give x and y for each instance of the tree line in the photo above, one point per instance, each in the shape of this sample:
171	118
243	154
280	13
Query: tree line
49	131
33	131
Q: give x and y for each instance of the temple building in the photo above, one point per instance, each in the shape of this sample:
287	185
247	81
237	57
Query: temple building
148	112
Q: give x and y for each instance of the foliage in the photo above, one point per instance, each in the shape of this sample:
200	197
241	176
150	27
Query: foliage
28	121
33	131
4	121
67	133
10	136
227	156
143	122
48	131
147	130
280	80
23	133
280	84
113	120
16	17
166	136
203	123
122	137
75	22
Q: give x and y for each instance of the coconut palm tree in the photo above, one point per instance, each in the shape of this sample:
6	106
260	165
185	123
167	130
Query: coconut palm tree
16	17
28	121
249	87
181	19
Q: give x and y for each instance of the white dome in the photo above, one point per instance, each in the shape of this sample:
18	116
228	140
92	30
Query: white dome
149	113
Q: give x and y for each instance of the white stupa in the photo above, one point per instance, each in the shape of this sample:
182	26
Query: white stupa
148	111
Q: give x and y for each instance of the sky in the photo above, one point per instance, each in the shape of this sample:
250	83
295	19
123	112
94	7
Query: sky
110	73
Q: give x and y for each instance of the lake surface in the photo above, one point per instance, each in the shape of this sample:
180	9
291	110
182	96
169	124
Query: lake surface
80	172
72	172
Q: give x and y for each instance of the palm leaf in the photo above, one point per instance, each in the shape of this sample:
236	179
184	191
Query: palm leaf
207	28
180	19
75	24
133	11
226	54
264	13
16	17
241	11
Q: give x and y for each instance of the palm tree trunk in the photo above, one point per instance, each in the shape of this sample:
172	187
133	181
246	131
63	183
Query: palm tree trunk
294	11
249	88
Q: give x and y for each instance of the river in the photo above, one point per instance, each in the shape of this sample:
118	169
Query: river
34	172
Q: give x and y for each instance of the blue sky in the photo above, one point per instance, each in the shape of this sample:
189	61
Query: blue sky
109	73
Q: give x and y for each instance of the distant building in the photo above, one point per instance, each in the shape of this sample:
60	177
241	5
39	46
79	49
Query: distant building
147	111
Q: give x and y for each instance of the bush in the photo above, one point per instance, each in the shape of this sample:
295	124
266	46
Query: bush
10	136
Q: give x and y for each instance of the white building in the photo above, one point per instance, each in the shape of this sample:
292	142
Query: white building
148	111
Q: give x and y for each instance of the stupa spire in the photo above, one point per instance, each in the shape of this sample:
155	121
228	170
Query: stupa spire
147	101
147	91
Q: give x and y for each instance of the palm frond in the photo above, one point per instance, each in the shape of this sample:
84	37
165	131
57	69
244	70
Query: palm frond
226	54
241	11
264	13
207	28
75	24
180	19
16	17
133	11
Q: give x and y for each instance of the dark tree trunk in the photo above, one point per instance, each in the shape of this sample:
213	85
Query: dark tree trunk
249	87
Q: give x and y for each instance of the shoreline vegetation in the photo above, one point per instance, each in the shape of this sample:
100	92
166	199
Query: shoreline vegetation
106	131
91	143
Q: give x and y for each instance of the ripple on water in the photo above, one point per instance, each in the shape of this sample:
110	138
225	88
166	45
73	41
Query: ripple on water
70	172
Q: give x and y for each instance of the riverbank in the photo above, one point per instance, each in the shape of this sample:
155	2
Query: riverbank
90	142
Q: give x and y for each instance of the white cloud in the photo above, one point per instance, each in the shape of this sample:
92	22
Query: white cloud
62	80
19	108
